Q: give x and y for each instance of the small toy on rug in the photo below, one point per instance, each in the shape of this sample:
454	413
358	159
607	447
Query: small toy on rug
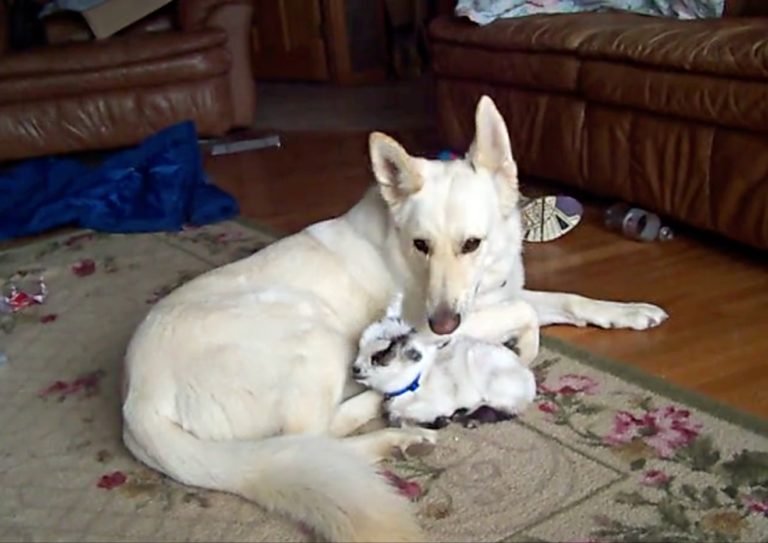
545	218
87	385
428	382
16	298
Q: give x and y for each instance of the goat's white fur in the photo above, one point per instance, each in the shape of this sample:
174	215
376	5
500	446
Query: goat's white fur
424	380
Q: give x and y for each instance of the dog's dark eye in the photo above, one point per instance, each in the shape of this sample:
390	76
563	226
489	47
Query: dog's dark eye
421	245
470	245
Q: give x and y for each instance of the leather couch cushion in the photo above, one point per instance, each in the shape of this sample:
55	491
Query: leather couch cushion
731	47
511	67
511	50
118	51
189	67
110	93
540	33
719	101
74	123
711	71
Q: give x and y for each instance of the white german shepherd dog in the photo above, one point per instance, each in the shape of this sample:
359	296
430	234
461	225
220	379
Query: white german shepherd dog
240	380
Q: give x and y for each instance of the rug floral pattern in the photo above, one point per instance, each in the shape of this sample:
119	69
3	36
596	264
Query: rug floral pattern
596	458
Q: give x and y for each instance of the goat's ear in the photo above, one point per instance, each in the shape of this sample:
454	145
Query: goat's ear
491	150
395	309
393	168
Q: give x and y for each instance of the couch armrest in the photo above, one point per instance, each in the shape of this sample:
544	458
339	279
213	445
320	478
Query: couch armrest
235	18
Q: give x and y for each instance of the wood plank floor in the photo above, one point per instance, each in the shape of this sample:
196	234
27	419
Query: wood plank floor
715	343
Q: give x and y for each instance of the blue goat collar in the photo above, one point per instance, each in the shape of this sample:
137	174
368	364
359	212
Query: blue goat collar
410	388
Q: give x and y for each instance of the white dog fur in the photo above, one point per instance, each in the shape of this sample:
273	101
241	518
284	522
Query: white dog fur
423	380
239	380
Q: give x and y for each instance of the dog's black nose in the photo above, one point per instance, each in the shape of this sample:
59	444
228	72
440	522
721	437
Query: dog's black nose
444	322
355	370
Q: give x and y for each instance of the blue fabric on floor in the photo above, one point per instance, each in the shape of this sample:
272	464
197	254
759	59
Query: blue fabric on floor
158	185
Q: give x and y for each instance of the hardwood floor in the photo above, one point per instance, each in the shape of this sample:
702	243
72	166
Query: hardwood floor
715	343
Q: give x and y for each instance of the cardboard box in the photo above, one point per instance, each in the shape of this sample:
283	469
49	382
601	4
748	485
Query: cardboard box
111	16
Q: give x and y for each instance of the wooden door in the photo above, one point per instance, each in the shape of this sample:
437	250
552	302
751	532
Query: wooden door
288	40
355	33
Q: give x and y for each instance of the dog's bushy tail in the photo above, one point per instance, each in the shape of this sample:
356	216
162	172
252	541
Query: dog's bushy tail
314	480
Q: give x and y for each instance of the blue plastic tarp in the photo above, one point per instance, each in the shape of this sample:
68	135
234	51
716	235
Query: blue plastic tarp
158	185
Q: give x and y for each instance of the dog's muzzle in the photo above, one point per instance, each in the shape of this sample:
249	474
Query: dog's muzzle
444	321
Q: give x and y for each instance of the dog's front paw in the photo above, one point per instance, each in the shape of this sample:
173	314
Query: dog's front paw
635	316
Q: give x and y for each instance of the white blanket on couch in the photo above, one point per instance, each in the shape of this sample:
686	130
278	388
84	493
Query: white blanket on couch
484	12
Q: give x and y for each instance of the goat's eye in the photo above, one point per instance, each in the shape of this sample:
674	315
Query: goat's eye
378	358
412	354
421	245
470	245
383	357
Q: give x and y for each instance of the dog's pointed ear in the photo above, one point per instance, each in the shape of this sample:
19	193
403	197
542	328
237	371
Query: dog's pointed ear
491	150
393	168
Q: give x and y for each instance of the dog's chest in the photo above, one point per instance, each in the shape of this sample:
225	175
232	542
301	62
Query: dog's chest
501	282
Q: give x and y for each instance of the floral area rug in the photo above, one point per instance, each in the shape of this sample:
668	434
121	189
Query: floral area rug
603	455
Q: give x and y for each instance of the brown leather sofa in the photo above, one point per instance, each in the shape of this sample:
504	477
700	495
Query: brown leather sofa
188	62
667	114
